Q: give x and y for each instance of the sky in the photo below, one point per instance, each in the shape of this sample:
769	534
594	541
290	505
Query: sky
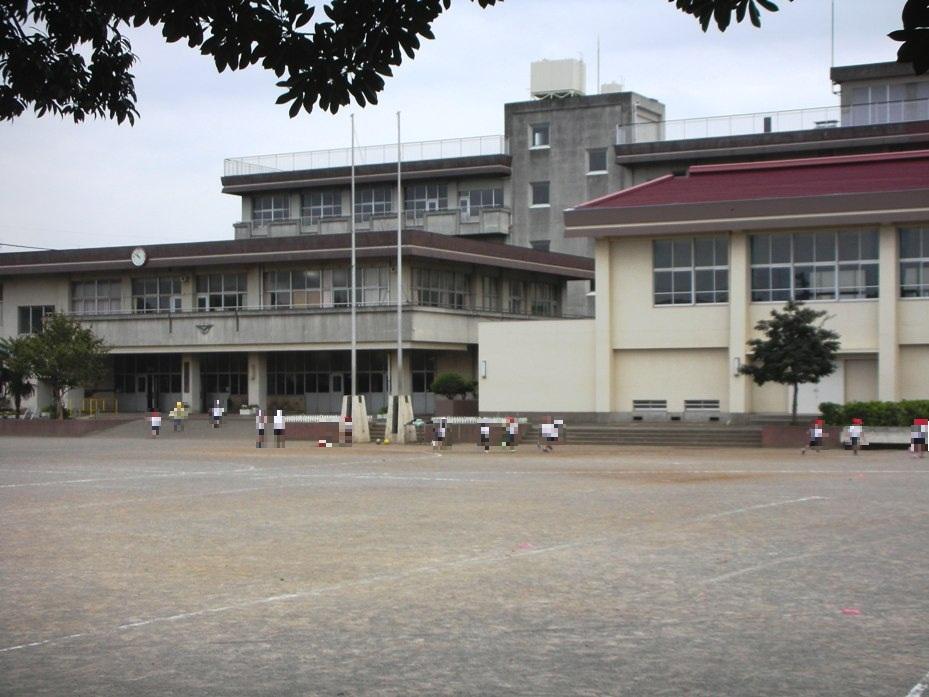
103	184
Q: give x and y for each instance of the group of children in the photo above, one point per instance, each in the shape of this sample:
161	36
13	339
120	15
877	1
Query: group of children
180	413
550	432
919	436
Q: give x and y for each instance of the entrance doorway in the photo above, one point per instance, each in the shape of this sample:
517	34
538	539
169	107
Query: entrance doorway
147	384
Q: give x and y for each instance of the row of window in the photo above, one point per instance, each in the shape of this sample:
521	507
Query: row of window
540	138
303	288
376	200
830	265
321	372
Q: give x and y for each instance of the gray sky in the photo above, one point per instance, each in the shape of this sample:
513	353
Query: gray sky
99	184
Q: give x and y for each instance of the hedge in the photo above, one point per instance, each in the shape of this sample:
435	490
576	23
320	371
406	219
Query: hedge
875	413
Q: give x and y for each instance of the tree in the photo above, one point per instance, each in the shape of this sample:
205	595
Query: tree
914	35
451	385
72	58
65	355
795	351
15	370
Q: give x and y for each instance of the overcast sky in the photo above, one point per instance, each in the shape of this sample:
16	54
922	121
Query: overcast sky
99	184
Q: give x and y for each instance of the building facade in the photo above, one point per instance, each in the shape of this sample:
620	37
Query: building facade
267	321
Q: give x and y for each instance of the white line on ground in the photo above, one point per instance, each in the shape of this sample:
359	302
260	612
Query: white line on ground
172	475
761	567
436	566
920	687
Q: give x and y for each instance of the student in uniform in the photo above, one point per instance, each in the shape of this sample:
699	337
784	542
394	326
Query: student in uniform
279	429
484	440
439	434
816	436
919	437
217	413
855	433
156	423
261	421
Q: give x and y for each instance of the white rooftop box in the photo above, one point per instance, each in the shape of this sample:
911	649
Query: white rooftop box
558	78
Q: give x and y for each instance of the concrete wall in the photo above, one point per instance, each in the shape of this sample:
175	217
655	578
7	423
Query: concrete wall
537	366
914	375
671	374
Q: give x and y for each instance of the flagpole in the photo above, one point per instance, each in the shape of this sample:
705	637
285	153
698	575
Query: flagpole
354	317
399	390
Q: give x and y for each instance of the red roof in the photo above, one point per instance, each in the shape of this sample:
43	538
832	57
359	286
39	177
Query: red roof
820	176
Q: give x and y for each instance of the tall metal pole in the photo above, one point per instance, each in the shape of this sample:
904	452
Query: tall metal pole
399	390
354	317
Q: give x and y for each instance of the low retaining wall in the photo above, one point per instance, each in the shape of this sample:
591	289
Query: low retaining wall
297	431
70	428
787	436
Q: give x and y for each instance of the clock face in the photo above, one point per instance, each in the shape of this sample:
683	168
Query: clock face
138	256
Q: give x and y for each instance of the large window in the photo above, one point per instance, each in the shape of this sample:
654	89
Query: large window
152	372
95	297
300	373
423	369
371	202
156	294
419	198
472	202
31	316
373	285
315	205
490	293
271	207
440	288
543	299
914	262
815	266
516	302
221	291
224	372
691	270
301	288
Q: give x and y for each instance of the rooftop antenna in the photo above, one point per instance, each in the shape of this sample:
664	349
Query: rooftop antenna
598	64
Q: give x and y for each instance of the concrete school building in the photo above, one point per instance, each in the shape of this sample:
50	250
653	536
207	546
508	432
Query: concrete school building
267	321
687	264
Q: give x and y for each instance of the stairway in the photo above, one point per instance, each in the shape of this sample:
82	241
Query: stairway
377	429
669	434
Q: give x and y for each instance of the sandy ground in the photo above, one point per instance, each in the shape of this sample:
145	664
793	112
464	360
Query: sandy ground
197	564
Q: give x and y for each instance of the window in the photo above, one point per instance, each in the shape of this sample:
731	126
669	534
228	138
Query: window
540	194
419	198
691	270
439	288
472	202
373	285
596	161
539	135
95	297
268	208
517	299
224	373
156	294
814	266
490	293
914	262
371	202
298	373
543	299
221	291
423	369
315	205
31	316
338	288
301	288
163	372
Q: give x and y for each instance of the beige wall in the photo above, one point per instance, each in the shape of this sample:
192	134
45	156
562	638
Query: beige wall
537	366
638	323
855	321
914	372
913	321
860	379
673	375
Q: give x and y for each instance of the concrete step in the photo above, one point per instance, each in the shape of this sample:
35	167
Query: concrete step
665	434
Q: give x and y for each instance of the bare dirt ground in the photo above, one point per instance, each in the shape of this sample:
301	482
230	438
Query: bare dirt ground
197	564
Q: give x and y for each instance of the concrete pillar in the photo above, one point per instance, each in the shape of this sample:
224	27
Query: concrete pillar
603	327
739	323
395	385
888	347
258	379
190	382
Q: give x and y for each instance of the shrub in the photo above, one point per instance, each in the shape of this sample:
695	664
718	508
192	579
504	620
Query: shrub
875	413
451	385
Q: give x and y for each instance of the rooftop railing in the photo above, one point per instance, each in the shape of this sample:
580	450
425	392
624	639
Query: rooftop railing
774	121
367	155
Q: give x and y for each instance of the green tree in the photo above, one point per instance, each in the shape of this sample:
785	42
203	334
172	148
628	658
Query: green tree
65	355
451	385
72	58
16	370
794	351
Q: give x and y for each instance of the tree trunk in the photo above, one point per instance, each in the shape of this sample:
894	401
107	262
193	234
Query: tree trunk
59	404
793	412
17	401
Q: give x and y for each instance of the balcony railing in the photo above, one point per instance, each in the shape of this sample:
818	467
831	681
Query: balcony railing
774	121
367	155
449	221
